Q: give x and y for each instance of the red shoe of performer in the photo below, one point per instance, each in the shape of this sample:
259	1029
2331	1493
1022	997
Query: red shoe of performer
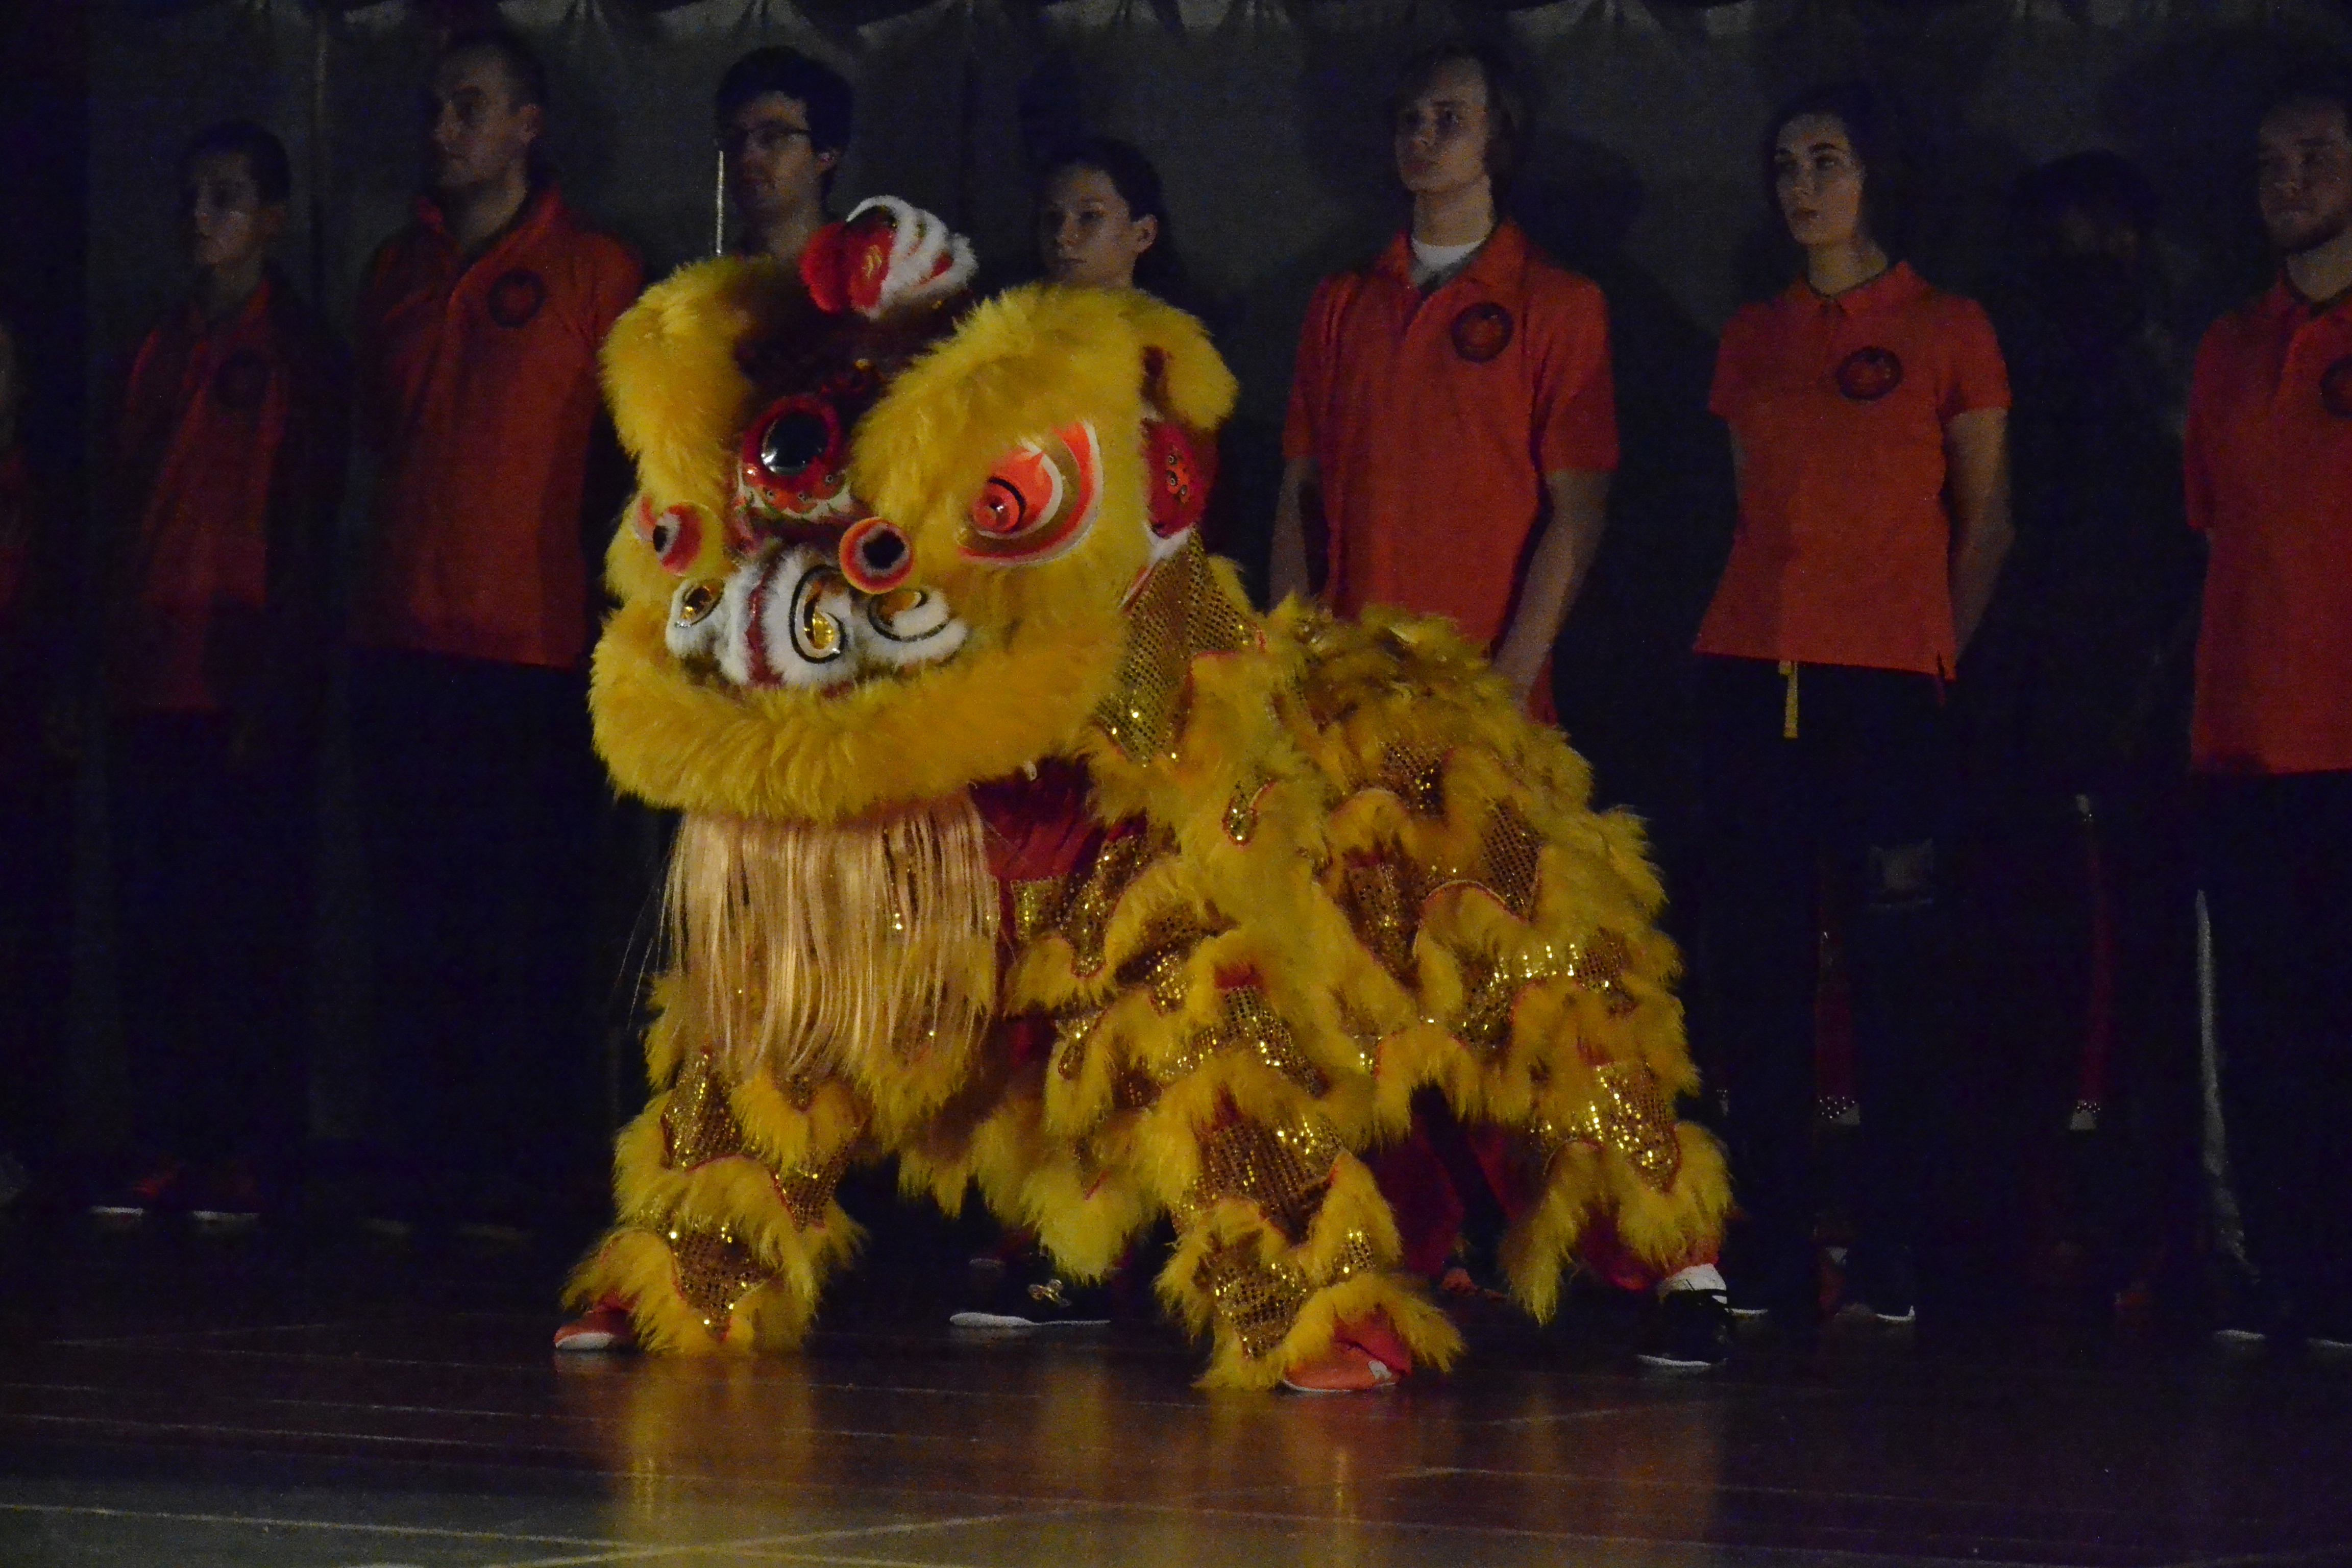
603	1326
1365	1354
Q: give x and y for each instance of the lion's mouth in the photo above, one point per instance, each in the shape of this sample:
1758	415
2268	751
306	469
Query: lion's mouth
788	617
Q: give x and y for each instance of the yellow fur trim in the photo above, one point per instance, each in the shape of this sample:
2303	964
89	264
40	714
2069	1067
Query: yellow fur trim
890	742
635	1267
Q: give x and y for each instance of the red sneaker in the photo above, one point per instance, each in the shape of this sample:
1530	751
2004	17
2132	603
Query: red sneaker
603	1326
1365	1354
1342	1369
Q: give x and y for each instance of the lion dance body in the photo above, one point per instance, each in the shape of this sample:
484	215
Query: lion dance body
1017	847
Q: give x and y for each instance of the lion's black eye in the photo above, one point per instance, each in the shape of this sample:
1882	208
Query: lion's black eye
794	440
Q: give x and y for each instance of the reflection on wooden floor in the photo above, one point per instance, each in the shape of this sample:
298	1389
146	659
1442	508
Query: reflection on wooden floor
178	1404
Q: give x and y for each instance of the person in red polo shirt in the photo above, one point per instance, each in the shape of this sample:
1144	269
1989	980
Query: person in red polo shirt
478	330
2269	471
1451	424
1867	413
1451	434
228	468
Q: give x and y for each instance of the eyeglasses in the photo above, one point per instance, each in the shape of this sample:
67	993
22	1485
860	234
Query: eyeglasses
763	136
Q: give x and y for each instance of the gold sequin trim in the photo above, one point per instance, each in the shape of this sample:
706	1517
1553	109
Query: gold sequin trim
1250	1024
1491	989
699	1125
1631	1113
1258	1300
1072	1030
1378	903
1355	1257
1359	1027
1488	992
1285	1169
1180	614
1036	905
715	1272
1086	920
1241	811
1161	962
807	1190
1415	775
1510	850
1600	966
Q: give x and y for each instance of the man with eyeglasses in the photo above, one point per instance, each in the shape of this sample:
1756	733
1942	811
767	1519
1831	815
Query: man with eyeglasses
783	122
478	329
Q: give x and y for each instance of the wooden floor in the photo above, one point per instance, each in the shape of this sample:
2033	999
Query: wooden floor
182	1403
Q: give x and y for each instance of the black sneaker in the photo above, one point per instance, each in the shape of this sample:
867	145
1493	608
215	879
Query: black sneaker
1690	1331
160	1190
1882	1288
2328	1329
2245	1314
1052	1302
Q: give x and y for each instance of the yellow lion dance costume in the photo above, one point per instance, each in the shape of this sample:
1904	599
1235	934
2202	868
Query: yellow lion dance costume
1014	845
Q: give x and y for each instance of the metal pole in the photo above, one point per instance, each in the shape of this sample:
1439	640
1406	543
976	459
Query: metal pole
718	208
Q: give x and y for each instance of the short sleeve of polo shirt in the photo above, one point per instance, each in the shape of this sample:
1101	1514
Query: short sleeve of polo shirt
1310	380
1977	377
614	279
1723	394
1575	394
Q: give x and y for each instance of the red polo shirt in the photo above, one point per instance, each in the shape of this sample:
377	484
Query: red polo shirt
2269	473
1842	554
1433	420
479	391
229	452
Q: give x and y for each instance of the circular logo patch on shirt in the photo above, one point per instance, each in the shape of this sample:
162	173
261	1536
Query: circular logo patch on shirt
516	297
2336	388
1481	331
1868	375
241	382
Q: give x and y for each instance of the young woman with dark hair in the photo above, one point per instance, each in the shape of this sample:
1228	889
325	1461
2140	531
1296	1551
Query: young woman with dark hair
1867	414
1102	222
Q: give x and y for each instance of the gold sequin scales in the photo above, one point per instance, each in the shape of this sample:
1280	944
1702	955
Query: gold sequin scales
699	1125
1631	1113
1283	1168
1258	1300
715	1272
807	1190
1180	614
